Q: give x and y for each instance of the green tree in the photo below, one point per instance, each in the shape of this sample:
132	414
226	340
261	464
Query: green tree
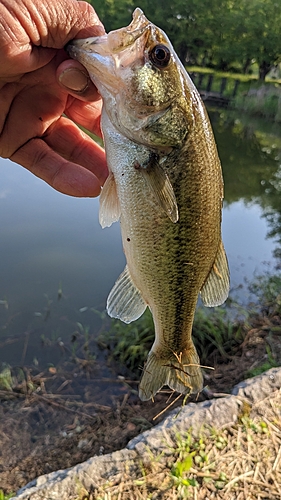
224	34
113	14
262	33
249	31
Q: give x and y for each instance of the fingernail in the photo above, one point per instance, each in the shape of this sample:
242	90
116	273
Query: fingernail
74	79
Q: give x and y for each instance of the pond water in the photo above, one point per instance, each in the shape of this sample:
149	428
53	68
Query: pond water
52	246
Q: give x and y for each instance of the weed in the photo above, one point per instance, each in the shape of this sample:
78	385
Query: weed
262	368
267	289
4	496
6	380
129	344
215	331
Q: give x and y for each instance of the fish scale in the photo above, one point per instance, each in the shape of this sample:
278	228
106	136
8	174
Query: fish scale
165	185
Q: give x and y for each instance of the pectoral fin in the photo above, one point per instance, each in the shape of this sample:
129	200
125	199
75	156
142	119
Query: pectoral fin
109	203
160	185
125	301
216	287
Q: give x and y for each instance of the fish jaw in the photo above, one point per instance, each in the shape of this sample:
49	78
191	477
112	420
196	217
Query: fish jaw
104	55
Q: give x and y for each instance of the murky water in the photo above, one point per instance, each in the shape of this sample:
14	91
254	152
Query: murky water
52	242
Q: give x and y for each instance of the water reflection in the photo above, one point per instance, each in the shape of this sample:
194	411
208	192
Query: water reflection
250	152
50	240
252	170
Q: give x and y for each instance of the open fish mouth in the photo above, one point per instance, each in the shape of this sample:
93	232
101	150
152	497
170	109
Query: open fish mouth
113	42
119	49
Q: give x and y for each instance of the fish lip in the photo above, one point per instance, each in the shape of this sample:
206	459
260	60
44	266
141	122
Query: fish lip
116	40
85	44
94	53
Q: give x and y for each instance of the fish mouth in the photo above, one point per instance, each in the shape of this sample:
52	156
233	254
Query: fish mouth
103	55
116	40
125	37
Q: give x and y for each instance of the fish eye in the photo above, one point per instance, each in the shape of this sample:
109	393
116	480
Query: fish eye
160	56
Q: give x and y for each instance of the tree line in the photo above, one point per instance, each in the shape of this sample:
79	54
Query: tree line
228	35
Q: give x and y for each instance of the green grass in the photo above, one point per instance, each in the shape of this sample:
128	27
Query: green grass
217	333
233	76
3	496
129	344
205	464
214	330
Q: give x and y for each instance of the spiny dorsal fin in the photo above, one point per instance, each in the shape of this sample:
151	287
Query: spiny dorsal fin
160	185
125	301
109	203
216	287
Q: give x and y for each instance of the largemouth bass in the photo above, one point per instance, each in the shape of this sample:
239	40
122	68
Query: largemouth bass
165	185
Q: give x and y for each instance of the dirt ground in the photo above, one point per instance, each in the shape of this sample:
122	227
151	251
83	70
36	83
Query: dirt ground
57	418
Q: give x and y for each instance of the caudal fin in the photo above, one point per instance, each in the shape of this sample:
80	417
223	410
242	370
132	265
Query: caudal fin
181	372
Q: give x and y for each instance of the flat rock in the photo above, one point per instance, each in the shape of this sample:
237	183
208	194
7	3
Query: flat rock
74	482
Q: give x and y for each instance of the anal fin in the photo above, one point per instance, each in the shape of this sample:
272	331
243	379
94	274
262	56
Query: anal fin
216	287
109	204
125	301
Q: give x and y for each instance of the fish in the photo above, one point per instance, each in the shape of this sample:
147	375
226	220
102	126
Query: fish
165	186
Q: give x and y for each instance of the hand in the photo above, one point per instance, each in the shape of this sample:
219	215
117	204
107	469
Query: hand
39	84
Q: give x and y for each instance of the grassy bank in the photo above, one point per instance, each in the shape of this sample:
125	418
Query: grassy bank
244	78
246	92
241	461
264	101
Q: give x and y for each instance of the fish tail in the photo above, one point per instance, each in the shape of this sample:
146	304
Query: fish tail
181	372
